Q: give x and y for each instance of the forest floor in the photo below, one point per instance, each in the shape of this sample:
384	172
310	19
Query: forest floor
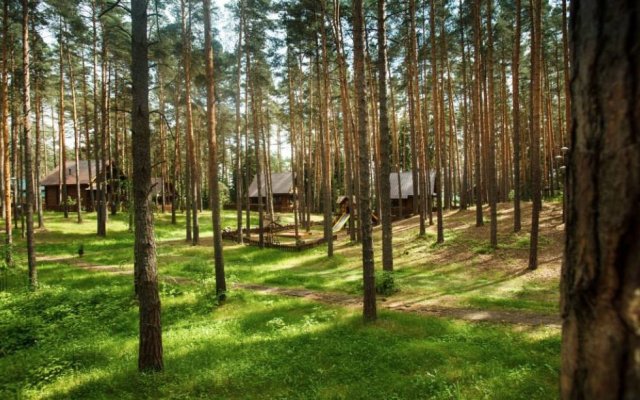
291	327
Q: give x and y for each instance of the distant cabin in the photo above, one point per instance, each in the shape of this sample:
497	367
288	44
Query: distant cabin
282	188
52	186
156	191
405	196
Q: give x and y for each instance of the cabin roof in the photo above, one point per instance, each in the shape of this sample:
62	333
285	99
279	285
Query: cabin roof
405	183
281	183
53	179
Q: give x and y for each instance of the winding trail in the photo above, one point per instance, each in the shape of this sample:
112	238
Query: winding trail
346	300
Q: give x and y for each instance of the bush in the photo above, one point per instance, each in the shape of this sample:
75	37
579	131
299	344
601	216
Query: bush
385	283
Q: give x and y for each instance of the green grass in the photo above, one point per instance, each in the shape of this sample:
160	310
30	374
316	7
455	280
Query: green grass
463	271
76	338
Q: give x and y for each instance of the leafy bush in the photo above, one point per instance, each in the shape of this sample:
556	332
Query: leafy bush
385	283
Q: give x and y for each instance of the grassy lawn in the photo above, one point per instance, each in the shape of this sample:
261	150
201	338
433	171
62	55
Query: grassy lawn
77	338
462	272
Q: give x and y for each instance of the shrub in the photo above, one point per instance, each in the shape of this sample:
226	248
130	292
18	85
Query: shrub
385	283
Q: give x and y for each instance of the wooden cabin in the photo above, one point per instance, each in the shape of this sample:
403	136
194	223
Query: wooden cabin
157	191
53	187
402	193
282	190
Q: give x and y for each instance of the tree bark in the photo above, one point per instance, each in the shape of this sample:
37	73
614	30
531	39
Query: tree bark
491	136
150	350
477	119
600	276
6	135
238	160
438	115
536	198
62	175
214	199
369	309
385	142
76	137
515	73
28	164
327	202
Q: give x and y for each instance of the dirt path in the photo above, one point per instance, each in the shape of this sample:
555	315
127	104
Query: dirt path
467	314
345	300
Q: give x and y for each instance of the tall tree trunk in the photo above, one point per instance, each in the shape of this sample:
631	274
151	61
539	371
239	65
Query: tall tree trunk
491	136
600	276
38	148
566	70
76	137
238	160
348	120
86	135
369	310
385	142
477	119
96	105
146	274
438	115
214	198
536	87
415	120
6	135
191	144
177	155
64	191
464	197
104	133
28	164
515	73
327	203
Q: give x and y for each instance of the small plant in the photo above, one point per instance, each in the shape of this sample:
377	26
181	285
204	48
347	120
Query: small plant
385	283
483	249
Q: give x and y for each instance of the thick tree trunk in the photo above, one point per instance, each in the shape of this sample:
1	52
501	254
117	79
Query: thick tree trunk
385	142
146	274
600	275
214	199
369	310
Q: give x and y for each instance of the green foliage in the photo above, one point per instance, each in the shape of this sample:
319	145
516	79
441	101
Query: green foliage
484	248
70	202
77	338
385	283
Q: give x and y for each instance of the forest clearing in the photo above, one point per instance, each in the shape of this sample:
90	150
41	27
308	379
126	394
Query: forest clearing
298	343
320	199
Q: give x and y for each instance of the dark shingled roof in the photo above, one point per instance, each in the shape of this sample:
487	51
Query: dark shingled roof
281	182
406	181
53	179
